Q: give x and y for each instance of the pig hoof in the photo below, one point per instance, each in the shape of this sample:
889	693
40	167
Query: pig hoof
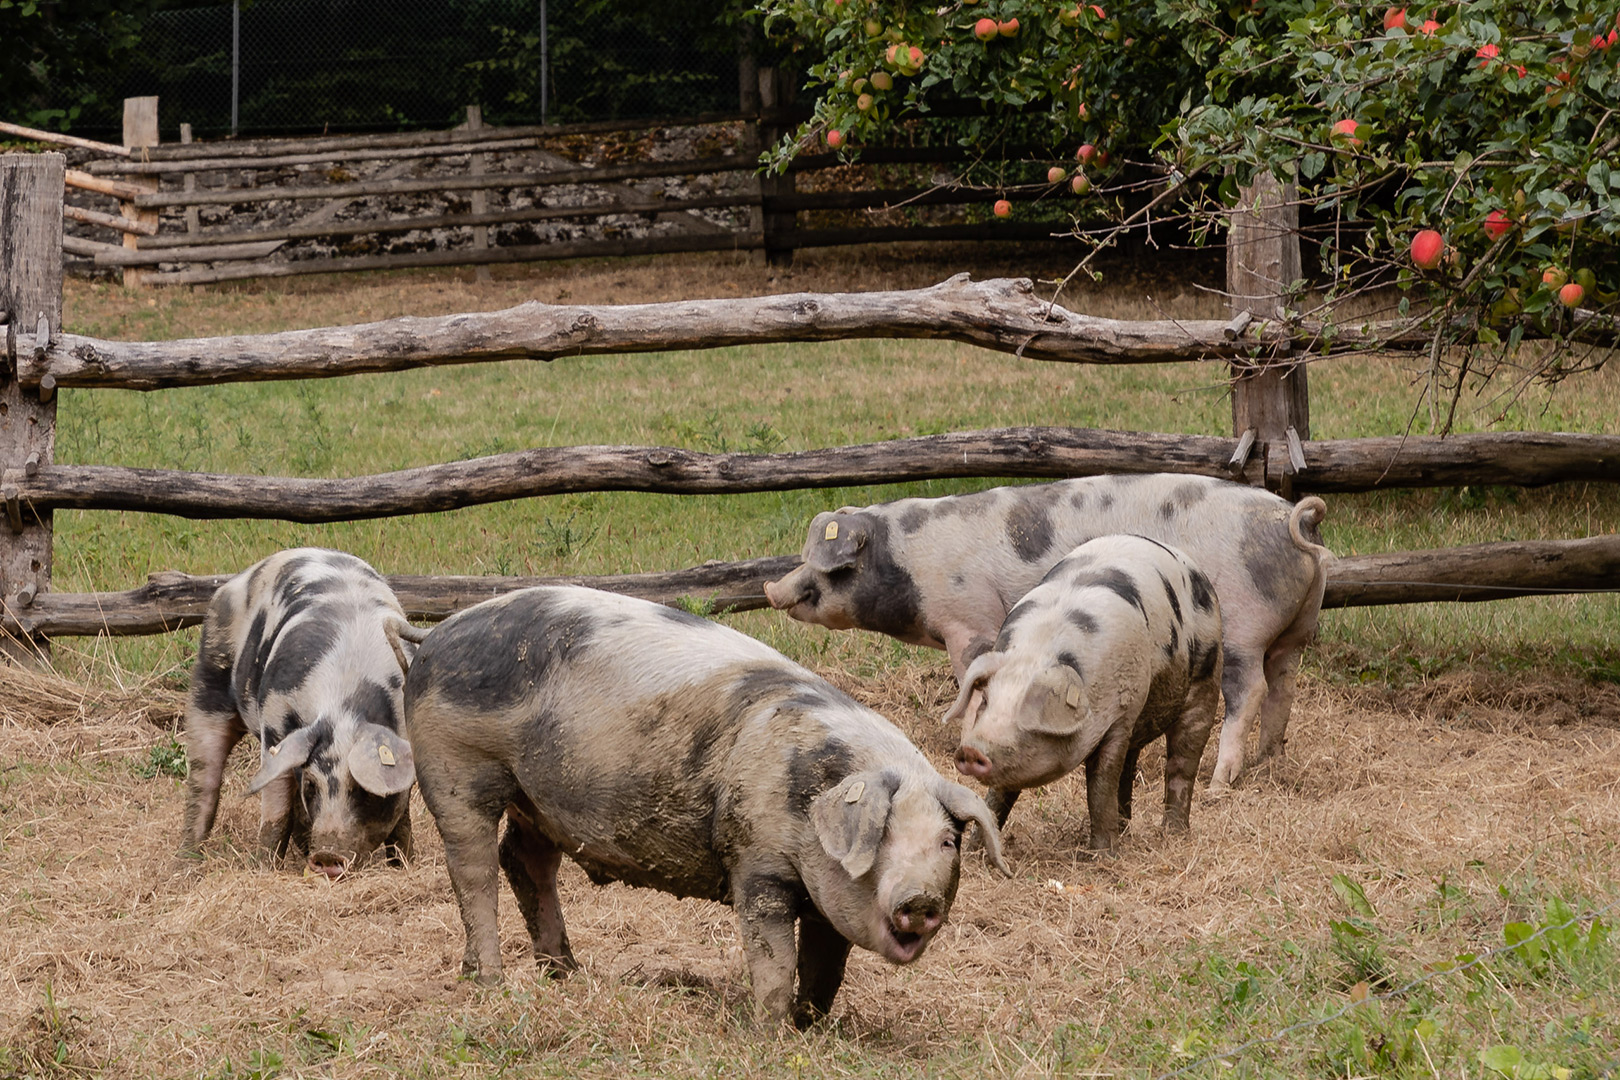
555	967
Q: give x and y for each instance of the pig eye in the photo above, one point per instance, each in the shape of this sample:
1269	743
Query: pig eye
950	843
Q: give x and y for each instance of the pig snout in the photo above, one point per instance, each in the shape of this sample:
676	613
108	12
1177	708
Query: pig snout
919	914
971	761
789	591
334	864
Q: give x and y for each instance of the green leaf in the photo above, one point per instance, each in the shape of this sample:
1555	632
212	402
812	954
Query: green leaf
1352	896
1502	1059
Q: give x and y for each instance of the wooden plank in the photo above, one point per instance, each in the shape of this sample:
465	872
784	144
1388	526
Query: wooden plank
188	182
110	221
56	138
476	166
140	132
1004	314
171	600
116	188
31	188
1046	452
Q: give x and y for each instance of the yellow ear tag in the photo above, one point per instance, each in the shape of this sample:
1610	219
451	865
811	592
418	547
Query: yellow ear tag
385	755
832	531
1073	696
276	749
856	790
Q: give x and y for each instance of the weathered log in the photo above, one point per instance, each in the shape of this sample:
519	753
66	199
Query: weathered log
122	257
1011	452
171	600
111	221
1476	572
1005	315
450	221
639	170
78	245
1525	458
58	139
661	244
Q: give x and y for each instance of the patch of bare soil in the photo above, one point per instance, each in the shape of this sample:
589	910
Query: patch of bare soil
118	956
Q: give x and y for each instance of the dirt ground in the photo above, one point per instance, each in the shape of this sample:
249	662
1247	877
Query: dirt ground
119	957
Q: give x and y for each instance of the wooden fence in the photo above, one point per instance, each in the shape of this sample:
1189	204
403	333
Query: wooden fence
1273	447
147	178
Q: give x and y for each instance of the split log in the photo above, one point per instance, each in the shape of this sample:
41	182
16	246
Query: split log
1030	452
361	189
1476	572
171	600
1004	315
1009	452
111	221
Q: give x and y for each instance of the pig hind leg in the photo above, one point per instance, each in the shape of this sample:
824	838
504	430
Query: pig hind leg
469	830
531	861
1282	661
1183	749
1243	685
823	952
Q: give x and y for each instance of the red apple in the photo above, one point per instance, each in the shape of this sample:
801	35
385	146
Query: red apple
1497	223
1395	19
1346	129
1427	247
1571	295
1083	112
1080	184
1429	27
835	138
985	29
863	102
882	80
1553	277
1056	174
1009	28
1002	208
1101	14
1085	153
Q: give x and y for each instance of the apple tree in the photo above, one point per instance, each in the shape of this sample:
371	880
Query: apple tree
1464	152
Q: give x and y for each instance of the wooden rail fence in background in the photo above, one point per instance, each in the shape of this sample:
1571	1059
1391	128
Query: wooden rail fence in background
1272	448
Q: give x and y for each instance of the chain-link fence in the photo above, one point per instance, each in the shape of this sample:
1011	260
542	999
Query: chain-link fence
302	66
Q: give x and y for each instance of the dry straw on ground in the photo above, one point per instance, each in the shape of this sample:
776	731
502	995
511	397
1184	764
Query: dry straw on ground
120	958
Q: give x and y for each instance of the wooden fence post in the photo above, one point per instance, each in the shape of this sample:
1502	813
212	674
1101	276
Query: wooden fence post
31	190
140	129
1270	396
189	184
480	197
775	93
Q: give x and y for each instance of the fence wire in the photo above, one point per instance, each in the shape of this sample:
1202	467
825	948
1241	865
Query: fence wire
307	66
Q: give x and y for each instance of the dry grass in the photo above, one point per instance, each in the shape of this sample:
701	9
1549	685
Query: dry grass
121	958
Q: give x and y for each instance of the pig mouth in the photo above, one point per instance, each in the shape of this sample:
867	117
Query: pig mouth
902	946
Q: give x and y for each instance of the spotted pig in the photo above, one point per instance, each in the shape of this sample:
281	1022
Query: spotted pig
1118	645
657	748
305	650
945	572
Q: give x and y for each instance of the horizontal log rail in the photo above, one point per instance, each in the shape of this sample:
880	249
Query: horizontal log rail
1347	465
76	178
236	162
56	138
1479	572
1004	315
111	221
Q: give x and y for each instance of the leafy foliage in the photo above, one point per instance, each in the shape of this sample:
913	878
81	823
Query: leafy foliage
1489	121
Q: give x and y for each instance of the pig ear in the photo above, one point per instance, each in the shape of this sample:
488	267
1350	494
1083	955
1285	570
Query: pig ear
381	762
978	673
965	806
1056	704
835	540
288	754
850	820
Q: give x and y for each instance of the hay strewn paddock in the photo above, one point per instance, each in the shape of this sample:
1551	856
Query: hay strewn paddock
121	959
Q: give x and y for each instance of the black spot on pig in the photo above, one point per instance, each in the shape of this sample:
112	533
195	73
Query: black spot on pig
1170	594
1029	522
1105	502
371	703
495	658
1117	582
1203	593
1017	613
1084	620
958	581
297	650
914	518
1271	558
1173	644
1190	494
812	771
255	650
1071	661
374	810
883	594
1201	657
211	677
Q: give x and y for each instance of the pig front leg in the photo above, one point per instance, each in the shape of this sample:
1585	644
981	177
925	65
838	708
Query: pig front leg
211	735
1103	769
823	951
767	906
400	845
276	814
531	861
